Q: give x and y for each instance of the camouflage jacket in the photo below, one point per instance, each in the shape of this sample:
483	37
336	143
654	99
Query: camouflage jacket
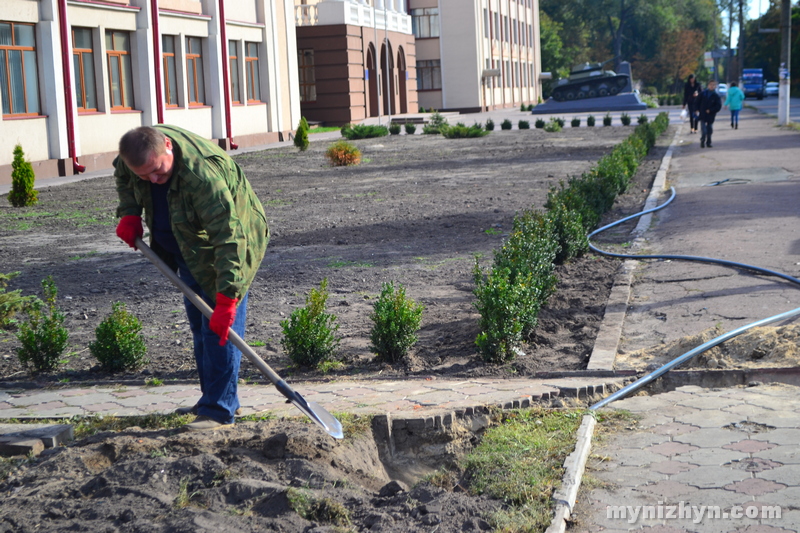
216	218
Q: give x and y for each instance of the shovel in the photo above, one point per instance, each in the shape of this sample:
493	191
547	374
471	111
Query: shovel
310	409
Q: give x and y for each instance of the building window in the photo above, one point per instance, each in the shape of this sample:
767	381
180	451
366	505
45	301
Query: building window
515	26
506	36
496	27
118	50
233	61
308	80
429	75
251	65
425	22
194	71
170	70
83	66
485	23
19	85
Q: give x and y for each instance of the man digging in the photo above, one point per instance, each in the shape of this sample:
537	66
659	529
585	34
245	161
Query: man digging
208	225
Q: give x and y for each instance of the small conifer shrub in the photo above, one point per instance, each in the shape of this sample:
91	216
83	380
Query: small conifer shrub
43	336
22	193
119	343
309	335
301	136
396	320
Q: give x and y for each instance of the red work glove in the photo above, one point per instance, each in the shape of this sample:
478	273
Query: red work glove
130	227
222	318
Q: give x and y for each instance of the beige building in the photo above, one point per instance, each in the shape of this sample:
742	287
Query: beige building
355	59
77	74
475	55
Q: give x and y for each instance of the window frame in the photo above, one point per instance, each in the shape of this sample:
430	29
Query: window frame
304	68
80	78
430	17
252	74
233	71
166	58
13	47
194	58
117	56
433	69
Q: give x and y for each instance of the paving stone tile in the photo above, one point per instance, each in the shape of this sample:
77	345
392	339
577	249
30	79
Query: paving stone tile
710	477
752	413
712	456
660	528
637	458
789	520
129	393
788	475
708	419
755	487
754	465
762	528
712	522
775	403
637	404
787	455
76	392
56	413
671	467
784	498
704	402
651	420
99	407
630	476
709	437
782	436
691	389
782	419
639	439
670	490
673	428
671	448
750	446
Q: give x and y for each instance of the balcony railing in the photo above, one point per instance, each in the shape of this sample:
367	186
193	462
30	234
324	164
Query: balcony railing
354	13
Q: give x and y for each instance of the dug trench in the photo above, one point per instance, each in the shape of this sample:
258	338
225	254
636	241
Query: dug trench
417	211
257	476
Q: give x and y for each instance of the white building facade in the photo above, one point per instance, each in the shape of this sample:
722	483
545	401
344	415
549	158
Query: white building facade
75	75
475	55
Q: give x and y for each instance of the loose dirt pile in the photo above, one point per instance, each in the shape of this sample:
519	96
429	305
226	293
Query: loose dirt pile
765	347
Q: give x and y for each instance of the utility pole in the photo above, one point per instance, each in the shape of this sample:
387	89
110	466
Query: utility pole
388	74
785	68
740	53
376	58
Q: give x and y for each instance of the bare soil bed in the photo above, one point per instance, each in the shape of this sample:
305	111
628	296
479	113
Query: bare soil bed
417	211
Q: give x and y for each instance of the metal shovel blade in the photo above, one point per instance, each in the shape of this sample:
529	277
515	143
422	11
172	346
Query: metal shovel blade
312	410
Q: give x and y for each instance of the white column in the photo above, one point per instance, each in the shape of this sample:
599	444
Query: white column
143	64
213	64
52	79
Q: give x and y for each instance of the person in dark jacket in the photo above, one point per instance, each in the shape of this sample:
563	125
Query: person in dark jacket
691	91
708	105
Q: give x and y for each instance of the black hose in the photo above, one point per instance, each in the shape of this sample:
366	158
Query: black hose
641	382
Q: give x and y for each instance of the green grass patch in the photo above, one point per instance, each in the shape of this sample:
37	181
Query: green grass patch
493	231
278	202
323	129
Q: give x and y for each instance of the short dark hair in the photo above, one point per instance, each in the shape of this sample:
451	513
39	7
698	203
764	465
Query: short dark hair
733	84
691	77
136	146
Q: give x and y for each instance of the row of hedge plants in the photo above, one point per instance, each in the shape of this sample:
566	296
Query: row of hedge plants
510	294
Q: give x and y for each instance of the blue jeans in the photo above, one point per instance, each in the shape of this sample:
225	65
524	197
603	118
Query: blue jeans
735	116
217	366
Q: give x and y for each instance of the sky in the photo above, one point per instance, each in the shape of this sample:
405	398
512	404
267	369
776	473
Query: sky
756	9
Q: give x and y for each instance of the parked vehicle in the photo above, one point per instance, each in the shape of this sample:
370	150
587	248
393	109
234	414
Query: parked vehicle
722	89
772	88
753	81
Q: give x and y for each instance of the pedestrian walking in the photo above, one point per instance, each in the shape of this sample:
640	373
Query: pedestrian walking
691	91
708	105
734	101
207	224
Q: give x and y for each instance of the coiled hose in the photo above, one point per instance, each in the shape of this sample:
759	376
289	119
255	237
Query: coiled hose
641	382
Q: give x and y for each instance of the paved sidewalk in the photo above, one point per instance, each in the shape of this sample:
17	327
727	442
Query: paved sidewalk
735	449
408	398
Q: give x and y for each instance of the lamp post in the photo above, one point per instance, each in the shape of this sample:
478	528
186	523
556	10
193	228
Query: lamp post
785	68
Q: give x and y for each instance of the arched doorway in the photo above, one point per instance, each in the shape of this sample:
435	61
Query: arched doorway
372	83
402	76
387	81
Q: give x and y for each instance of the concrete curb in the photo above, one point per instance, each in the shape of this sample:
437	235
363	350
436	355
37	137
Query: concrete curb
607	341
574	465
604	353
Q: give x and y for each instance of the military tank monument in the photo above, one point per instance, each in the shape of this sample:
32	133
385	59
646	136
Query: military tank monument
591	88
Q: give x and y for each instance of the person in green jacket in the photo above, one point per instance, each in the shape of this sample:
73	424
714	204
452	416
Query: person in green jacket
733	101
206	222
